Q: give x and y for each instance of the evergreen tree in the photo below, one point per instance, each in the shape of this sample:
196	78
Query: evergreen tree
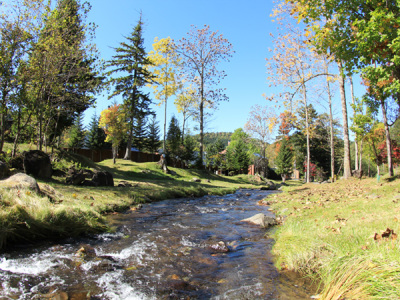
284	160
140	133
96	136
130	63
237	156
76	134
189	146
174	138
241	157
153	136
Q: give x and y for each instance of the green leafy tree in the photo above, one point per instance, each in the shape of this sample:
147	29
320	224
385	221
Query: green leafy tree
64	68
284	160
113	122
214	156
130	64
17	31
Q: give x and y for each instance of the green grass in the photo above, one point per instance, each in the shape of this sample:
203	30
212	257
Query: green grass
27	217
328	234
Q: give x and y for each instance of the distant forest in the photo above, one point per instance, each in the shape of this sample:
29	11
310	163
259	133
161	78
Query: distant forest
212	137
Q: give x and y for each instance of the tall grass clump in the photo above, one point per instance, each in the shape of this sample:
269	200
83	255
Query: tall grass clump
26	216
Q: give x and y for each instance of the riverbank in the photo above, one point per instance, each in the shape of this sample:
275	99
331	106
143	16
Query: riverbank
343	235
26	216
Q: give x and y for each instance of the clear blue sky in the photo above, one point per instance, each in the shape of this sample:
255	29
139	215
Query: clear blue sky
246	24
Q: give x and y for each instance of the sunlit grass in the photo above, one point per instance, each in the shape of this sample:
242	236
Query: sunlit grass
328	233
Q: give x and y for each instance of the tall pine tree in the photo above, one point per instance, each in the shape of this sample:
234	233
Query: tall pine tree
130	63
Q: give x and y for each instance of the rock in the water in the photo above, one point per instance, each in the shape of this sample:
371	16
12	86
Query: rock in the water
219	247
4	170
37	163
262	220
20	180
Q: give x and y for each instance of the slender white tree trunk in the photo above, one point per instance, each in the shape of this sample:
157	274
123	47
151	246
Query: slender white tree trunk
346	158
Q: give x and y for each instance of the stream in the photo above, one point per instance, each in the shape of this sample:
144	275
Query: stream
162	251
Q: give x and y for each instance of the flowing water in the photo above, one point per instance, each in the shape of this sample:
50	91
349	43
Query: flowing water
163	251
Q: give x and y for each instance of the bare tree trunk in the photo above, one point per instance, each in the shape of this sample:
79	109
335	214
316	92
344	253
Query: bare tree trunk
201	108
308	135
128	152
165	123
360	154
115	153
388	140
346	158
332	142
356	148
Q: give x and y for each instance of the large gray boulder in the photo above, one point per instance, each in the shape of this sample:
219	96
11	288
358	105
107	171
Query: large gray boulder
37	163
262	220
20	180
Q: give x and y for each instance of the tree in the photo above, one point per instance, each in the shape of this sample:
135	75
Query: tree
185	103
131	65
188	152
200	52
292	66
164	61
284	160
77	134
174	138
64	68
153	136
17	28
113	122
96	135
260	126
361	35
214	155
237	156
140	133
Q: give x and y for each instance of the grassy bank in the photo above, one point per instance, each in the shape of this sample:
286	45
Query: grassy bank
27	217
342	234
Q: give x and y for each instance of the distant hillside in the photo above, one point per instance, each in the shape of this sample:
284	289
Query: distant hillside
212	137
